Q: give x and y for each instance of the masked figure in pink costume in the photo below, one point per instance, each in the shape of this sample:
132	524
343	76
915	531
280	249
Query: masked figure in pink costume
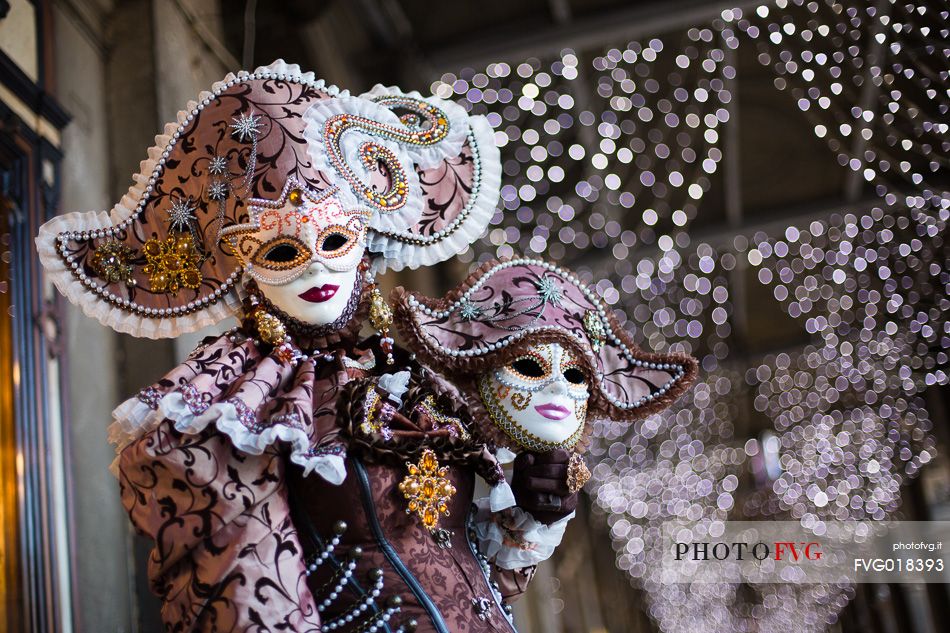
292	476
274	198
535	357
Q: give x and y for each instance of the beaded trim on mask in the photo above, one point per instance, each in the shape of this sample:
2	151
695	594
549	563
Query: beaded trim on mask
539	384
516	432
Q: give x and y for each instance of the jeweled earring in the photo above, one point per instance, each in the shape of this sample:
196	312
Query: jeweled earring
270	329
380	317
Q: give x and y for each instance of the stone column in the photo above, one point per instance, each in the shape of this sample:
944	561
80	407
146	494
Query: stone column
102	597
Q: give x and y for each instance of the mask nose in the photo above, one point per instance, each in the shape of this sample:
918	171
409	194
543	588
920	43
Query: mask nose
558	386
316	268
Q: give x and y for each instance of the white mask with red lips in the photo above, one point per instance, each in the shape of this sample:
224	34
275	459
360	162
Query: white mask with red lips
304	251
539	399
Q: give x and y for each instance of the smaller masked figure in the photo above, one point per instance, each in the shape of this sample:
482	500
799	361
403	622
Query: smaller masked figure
536	358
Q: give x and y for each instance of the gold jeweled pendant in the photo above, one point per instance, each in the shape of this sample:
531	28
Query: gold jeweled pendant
427	490
577	473
595	330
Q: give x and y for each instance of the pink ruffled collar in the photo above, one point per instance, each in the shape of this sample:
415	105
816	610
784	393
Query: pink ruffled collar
253	398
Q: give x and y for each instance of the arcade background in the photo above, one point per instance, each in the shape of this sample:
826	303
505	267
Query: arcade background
763	185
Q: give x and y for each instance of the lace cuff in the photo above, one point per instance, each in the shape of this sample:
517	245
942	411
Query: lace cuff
512	538
136	416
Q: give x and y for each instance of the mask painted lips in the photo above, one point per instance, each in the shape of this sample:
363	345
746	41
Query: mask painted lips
553	411
319	294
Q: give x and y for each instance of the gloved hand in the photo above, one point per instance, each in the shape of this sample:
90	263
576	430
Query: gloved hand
539	482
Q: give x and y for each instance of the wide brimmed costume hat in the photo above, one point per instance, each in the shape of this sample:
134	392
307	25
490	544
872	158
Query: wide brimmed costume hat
425	174
507	306
419	175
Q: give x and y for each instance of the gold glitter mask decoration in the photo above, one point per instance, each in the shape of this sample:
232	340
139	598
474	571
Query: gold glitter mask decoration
427	490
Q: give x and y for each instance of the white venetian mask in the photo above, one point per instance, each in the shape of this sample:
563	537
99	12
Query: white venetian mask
539	399
304	251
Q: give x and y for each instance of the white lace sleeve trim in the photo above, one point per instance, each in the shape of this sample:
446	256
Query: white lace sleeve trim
133	419
501	497
513	539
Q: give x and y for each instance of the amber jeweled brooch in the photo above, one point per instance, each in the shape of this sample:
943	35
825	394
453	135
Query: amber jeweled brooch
577	473
427	489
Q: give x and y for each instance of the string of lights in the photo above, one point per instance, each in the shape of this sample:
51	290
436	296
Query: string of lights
631	134
868	76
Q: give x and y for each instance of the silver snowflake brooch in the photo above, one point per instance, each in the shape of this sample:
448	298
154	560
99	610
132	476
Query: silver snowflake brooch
218	190
246	127
548	290
218	165
469	311
181	215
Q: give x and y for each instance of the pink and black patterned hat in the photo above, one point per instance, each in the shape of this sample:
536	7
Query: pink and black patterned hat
507	306
425	173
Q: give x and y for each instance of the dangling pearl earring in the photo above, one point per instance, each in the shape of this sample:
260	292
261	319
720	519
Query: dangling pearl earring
380	317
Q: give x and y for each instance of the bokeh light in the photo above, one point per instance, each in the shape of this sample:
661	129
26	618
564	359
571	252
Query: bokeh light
608	156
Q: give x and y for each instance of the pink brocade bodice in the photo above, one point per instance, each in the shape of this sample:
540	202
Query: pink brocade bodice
441	581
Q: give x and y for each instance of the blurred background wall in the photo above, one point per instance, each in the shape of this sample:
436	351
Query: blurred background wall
760	184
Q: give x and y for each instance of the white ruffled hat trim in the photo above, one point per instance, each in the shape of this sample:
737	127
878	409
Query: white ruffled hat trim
91	297
403	249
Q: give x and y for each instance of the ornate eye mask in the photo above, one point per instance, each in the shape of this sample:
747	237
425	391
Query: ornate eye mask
337	241
530	367
300	227
576	377
279	253
539	399
541	366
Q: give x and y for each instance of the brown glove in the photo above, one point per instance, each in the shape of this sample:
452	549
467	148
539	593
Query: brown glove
539	483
